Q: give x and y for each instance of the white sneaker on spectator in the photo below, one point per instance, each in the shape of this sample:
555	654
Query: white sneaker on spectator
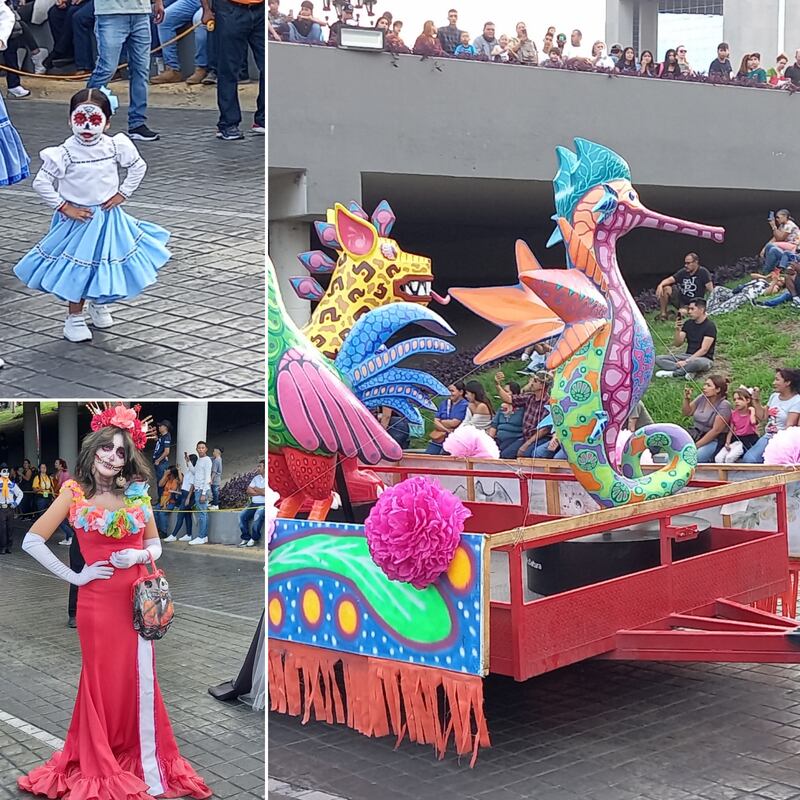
171	538
76	329
796	301
690	376
186	538
245	542
251	543
99	315
38	59
66	542
198	540
259	129
19	91
524	356
213	508
664	373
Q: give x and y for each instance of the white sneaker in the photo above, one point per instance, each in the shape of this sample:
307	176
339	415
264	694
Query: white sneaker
38	59
198	540
690	376
250	543
170	538
245	542
213	508
524	356
19	91
186	538
99	316
76	330
66	542
664	373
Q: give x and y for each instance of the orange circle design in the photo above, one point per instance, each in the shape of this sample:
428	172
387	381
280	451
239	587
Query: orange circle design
459	573
312	606
347	616
275	612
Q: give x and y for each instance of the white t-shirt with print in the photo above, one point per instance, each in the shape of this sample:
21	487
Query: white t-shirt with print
778	412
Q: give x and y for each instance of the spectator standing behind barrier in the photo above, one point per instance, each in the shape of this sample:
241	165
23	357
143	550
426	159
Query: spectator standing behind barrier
500	52
10	498
427	44
119	23
669	67
683	64
525	50
685	285
776	76
216	476
486	42
170	486
71	23
553	59
449	416
43	488
278	23
238	23
60	477
647	65
721	66
201	486
600	58
548	42
793	72
177	14
184	516
576	48
711	415
782	411
450	35
751	68
25	481
162	449
254	513
626	65
699	336
465	48
346	18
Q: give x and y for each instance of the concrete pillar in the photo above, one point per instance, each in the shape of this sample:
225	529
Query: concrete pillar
619	22
191	428
648	27
751	27
31	412
68	433
287	238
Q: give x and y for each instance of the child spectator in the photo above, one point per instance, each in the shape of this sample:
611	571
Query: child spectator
743	433
464	48
500	52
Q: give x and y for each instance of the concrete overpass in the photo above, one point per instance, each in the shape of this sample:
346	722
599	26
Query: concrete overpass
464	152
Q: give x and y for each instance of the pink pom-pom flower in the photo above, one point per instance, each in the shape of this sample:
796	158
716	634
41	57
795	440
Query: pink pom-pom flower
467	441
413	530
784	448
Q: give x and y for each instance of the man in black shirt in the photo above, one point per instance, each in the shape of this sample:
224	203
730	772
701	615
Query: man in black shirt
699	336
793	72
449	35
685	285
721	65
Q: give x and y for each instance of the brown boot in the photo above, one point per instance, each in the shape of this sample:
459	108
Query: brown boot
197	76
169	75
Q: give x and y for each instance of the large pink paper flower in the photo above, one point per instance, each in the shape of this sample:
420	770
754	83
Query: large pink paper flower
414	529
123	417
783	448
467	441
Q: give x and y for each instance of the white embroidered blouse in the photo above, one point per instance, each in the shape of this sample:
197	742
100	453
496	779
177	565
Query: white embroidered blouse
88	175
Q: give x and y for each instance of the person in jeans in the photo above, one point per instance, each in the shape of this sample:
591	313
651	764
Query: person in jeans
782	411
202	492
216	476
699	335
184	505
162	449
176	15
238	23
254	513
169	485
126	22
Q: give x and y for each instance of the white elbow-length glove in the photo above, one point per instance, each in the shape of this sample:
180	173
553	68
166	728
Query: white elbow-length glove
34	545
124	559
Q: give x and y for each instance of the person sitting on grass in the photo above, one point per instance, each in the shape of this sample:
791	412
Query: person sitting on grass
686	284
711	414
506	427
782	411
785	240
535	400
449	416
699	335
743	431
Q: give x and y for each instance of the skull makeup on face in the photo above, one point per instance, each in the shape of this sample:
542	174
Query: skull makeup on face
4	472
88	123
110	459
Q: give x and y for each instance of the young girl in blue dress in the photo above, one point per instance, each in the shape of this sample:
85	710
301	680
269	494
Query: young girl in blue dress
13	158
94	253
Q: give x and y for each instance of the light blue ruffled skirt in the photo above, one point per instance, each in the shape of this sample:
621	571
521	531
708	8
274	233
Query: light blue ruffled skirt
111	257
14	160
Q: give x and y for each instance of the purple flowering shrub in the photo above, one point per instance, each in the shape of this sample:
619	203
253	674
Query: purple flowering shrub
234	493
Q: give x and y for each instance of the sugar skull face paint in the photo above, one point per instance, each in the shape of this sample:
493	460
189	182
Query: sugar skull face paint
110	458
88	122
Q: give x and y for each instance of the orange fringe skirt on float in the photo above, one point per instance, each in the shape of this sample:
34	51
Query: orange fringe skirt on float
380	697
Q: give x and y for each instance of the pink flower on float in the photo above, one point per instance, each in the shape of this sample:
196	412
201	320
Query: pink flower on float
414	529
783	449
123	417
467	441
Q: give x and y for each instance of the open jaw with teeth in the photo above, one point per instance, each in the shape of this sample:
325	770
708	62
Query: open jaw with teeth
415	289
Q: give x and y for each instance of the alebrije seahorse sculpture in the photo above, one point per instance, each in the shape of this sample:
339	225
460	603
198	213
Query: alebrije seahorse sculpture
603	360
370	271
317	408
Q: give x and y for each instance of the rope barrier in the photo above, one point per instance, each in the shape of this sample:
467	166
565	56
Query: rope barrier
83	75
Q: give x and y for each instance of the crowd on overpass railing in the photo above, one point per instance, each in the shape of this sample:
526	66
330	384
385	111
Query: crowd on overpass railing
557	51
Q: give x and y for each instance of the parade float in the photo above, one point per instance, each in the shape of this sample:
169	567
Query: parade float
466	568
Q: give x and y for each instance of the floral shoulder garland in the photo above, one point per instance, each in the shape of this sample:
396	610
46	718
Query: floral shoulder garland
126	521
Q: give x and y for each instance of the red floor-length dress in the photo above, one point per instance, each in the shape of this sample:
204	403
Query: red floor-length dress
120	744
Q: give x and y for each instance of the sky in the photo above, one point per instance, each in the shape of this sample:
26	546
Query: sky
588	15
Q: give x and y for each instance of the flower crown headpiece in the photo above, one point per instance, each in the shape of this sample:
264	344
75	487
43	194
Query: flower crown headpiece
126	419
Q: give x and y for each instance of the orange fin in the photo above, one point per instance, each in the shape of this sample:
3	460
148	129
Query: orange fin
574	337
581	256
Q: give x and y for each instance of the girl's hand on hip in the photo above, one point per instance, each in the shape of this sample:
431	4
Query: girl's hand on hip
117	200
76	212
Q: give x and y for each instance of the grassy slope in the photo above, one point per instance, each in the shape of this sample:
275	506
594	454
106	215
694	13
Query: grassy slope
751	344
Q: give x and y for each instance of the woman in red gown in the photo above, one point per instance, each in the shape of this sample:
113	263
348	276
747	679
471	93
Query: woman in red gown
120	744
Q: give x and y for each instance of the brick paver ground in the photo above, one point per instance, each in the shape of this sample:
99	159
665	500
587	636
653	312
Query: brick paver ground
218	603
595	731
199	331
